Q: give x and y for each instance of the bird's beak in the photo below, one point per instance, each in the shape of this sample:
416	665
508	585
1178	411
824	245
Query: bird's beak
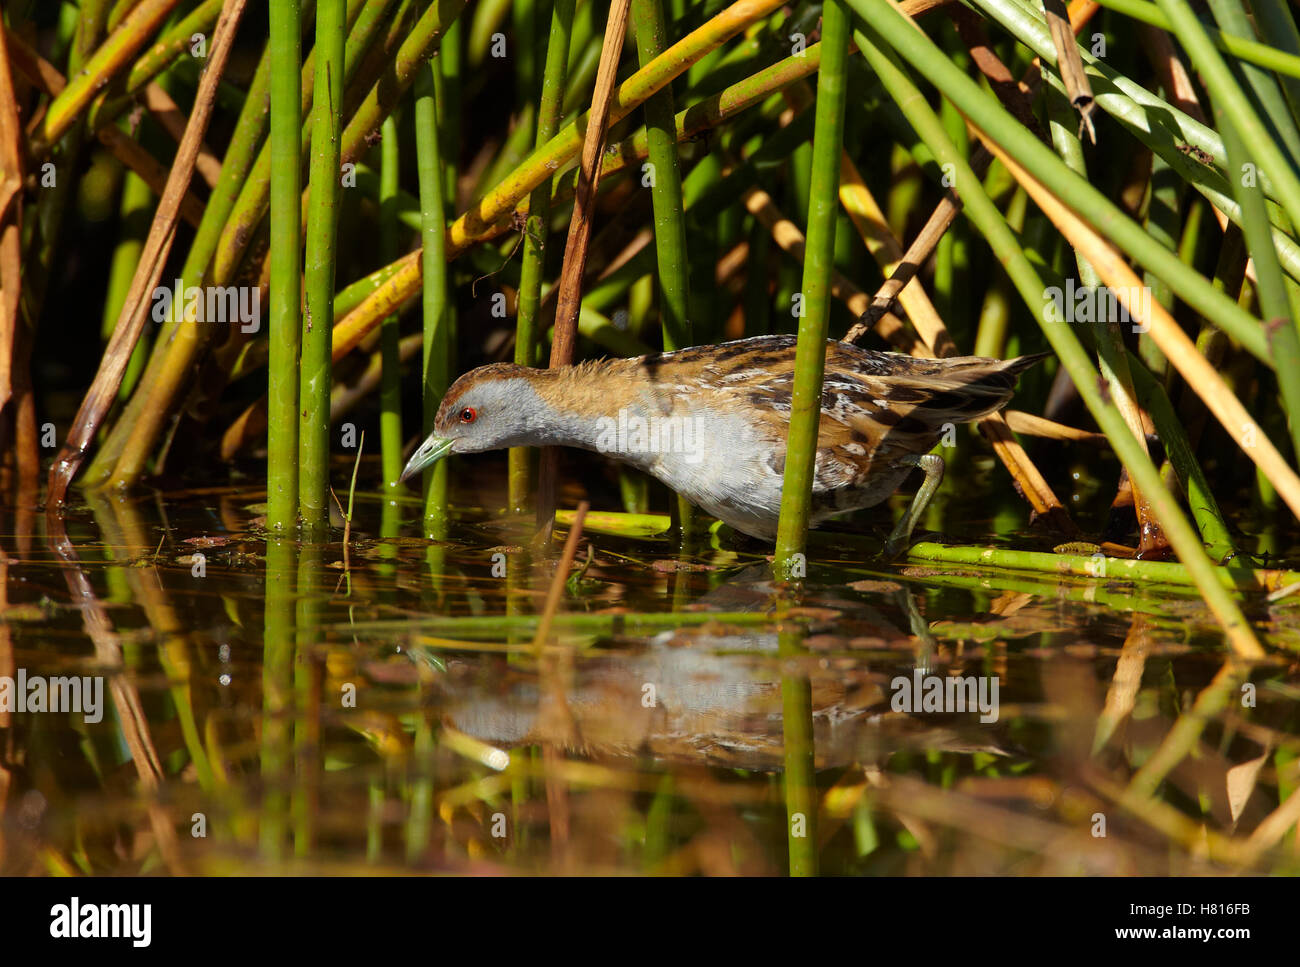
430	452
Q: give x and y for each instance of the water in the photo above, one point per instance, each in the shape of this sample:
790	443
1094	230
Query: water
270	707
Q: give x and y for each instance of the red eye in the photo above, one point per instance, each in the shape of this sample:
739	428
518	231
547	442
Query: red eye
468	415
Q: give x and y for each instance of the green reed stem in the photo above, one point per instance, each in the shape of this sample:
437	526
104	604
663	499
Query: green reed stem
278	632
390	393
1112	359
536	228
447	110
1163	223
1276	23
666	199
918	49
436	368
136	198
318	275
1098	566
1271	286
419	820
1235	21
666	182
1251	51
451	59
251	203
174	42
800	775
304	713
1200	499
495	625
285	293
818	266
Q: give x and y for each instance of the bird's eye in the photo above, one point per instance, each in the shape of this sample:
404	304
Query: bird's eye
468	415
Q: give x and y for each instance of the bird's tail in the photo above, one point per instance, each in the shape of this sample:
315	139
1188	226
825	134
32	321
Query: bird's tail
959	390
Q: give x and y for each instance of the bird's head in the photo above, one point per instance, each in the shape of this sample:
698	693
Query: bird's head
486	409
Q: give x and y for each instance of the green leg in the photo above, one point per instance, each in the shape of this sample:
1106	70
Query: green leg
901	538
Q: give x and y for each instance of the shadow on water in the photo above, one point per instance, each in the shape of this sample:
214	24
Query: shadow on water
265	705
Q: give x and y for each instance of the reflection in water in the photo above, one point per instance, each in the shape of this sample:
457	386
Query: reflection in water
275	707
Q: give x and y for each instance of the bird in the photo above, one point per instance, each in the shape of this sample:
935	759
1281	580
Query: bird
711	421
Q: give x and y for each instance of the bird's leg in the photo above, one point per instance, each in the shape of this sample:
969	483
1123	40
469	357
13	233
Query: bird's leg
901	538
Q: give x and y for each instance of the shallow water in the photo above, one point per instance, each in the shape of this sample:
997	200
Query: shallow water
273	707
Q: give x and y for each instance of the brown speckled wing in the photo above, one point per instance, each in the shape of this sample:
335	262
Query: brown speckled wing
875	406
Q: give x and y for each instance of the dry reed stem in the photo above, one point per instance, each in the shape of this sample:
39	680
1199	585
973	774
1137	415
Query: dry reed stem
151	171
11	215
569	290
166	112
1028	424
1272	828
43	75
